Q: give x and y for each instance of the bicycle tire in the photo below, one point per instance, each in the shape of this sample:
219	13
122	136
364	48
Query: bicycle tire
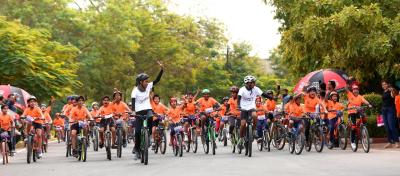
342	136
194	140
96	140
365	139
119	143
299	141
146	147
187	143
291	143
354	149
250	140
180	145
163	146
277	136
29	149
267	143
3	152
225	137
319	139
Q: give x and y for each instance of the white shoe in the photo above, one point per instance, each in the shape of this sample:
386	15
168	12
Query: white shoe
353	145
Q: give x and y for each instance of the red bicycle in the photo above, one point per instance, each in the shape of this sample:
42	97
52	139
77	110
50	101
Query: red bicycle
358	131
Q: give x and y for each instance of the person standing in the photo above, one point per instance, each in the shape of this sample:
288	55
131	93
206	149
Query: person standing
388	113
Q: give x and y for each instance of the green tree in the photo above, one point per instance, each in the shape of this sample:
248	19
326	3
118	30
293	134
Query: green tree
30	60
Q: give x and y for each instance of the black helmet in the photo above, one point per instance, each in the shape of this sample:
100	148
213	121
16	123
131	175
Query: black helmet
77	98
31	98
269	92
225	99
311	89
141	77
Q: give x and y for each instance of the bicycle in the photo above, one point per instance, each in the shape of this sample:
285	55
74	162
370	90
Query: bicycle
176	139
193	133
278	131
234	137
58	133
67	132
208	134
359	130
107	135
160	136
295	137
32	138
5	151
316	135
339	134
82	143
131	129
144	139
95	135
44	138
265	138
249	137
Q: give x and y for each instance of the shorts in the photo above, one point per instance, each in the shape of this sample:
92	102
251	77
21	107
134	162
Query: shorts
105	122
246	114
37	125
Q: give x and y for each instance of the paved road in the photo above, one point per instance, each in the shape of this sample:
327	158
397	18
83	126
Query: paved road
330	162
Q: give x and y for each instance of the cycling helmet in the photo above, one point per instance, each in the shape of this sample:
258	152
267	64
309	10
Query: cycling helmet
142	77
225	99
43	106
205	91
269	92
77	98
332	94
249	78
32	98
234	89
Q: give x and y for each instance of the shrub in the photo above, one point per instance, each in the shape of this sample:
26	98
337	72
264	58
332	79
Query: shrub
376	101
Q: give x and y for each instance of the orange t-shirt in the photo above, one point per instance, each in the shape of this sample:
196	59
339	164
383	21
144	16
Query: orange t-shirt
190	108
204	104
233	107
47	117
310	103
58	122
120	108
103	111
159	108
67	109
397	103
354	101
94	113
174	114
35	112
295	110
79	114
333	106
261	110
270	105
223	110
6	122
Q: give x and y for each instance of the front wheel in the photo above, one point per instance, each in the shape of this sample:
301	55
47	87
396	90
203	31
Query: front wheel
278	137
194	140
250	140
342	136
163	142
83	150
354	139
119	143
145	149
180	145
319	139
365	139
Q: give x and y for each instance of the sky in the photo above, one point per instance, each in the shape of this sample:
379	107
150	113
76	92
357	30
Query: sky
245	20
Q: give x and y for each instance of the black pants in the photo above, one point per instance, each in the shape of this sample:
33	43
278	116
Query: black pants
139	126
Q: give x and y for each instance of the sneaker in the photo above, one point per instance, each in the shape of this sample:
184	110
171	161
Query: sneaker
101	145
353	145
40	154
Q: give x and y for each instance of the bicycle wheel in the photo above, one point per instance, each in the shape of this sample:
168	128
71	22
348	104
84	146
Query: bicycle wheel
206	143
58	137
174	146
180	145
260	143
163	143
108	145
365	139
299	144
3	152
278	137
96	140
267	140
34	155
342	136
308	144
119	143
29	149
68	144
146	147
318	139
213	141
291	143
187	142
250	140
225	137
194	140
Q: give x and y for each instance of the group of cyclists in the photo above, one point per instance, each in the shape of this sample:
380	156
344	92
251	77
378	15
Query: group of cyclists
246	107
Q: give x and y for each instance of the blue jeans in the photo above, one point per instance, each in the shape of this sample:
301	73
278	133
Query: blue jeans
391	124
261	124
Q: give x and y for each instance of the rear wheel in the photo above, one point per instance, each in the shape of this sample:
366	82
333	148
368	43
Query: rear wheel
342	136
365	139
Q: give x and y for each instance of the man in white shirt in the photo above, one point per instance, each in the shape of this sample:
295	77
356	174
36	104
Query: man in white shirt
247	102
141	104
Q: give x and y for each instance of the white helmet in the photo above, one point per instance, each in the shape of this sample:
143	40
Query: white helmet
249	78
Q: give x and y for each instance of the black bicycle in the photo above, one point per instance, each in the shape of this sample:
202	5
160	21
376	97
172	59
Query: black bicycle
119	134
316	135
144	139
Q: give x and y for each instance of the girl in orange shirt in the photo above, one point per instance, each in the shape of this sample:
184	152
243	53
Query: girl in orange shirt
333	106
58	124
6	123
262	120
79	116
296	112
174	115
32	111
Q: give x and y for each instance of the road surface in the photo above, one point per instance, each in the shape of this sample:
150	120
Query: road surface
280	163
